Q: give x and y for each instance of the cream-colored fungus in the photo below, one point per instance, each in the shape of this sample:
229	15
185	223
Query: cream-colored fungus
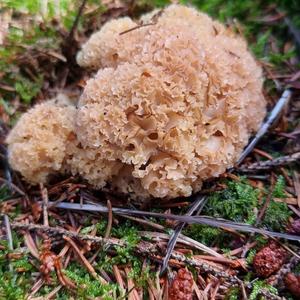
172	104
38	142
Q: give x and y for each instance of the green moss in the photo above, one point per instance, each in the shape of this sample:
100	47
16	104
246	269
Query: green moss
87	286
27	6
101	227
123	255
279	188
279	58
8	110
18	240
277	213
67	9
43	37
87	230
261	241
259	48
126	255
23	263
239	203
276	216
250	256
140	275
233	294
4	193
204	234
236	203
225	10
28	89
128	232
14	285
258	286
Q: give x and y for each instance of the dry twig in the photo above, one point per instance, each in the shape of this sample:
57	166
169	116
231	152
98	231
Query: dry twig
272	163
173	238
45	198
214	222
110	219
86	263
282	102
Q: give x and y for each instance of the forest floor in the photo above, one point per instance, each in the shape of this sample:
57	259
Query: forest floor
51	251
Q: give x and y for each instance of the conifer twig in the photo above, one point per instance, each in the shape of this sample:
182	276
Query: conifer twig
204	220
45	198
9	236
173	238
76	21
272	163
284	99
8	232
110	219
86	263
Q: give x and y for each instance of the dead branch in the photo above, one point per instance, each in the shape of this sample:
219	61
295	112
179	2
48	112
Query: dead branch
272	163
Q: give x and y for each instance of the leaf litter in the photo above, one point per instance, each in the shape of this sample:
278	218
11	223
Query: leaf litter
67	240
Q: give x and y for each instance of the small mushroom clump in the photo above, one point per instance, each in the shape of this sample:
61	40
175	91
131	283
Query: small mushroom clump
38	143
173	103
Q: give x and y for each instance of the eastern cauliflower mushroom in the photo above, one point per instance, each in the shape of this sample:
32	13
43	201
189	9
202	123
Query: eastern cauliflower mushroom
37	144
44	143
90	164
95	54
175	101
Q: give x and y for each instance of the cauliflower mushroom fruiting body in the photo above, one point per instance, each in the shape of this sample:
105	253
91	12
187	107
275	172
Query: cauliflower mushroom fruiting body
37	144
176	100
172	104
